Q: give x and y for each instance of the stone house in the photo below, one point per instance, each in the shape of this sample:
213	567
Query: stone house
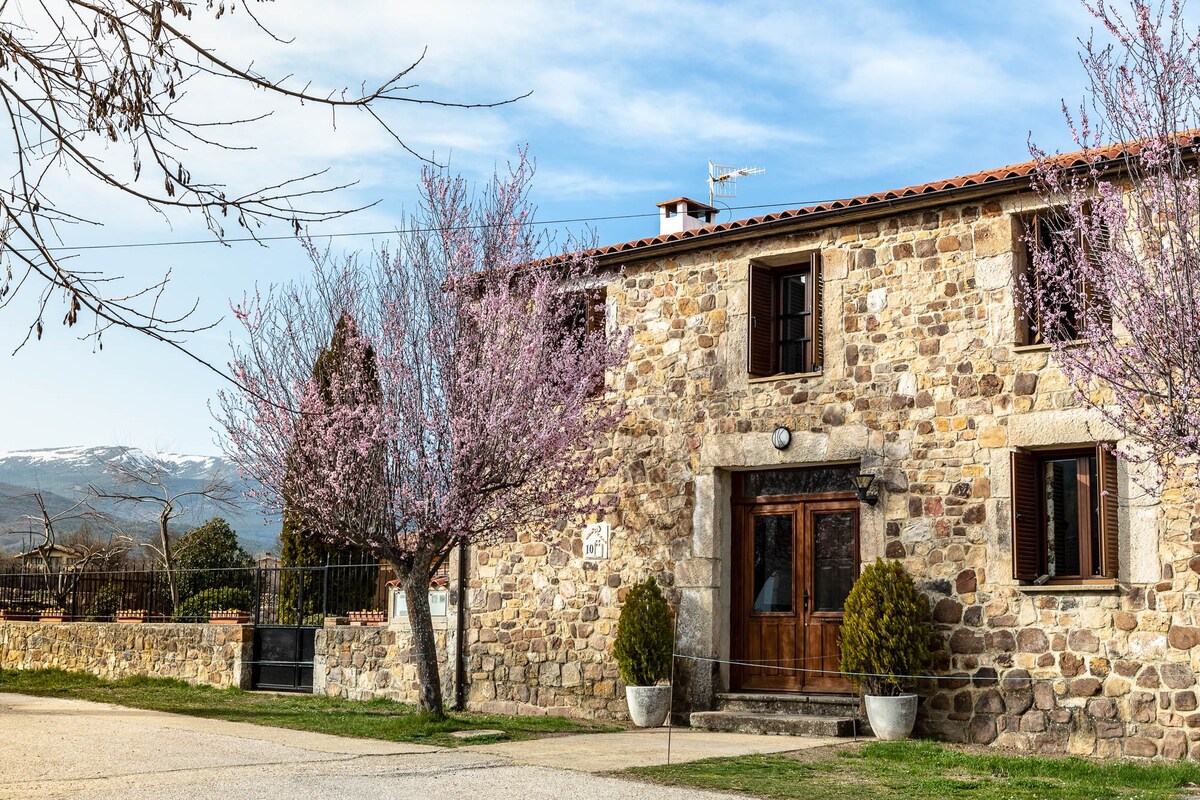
775	359
52	557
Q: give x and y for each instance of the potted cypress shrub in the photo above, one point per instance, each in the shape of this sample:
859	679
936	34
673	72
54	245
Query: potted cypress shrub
643	650
885	640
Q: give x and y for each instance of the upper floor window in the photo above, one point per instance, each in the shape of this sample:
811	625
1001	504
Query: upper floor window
1058	315
585	310
785	318
1065	514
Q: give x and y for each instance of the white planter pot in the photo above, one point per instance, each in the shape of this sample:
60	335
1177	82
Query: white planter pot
891	718
648	705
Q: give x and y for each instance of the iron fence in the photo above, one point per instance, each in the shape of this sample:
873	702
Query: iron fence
270	595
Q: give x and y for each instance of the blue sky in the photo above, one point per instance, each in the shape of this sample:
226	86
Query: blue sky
630	101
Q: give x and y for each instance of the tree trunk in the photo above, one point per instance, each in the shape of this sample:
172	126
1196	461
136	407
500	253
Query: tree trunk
168	561
424	645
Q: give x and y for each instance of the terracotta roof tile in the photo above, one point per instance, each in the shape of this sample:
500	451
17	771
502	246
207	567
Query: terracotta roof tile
1013	171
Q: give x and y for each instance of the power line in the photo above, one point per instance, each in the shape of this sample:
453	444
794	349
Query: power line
350	234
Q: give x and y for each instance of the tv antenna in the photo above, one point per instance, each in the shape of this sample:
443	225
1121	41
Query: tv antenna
722	179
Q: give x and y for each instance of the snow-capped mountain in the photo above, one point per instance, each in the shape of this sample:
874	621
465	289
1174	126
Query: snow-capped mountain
66	472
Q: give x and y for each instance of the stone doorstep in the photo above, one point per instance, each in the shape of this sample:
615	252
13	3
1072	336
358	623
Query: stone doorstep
813	705
778	724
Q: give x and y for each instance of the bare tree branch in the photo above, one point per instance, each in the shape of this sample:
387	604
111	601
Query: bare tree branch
145	480
61	582
89	89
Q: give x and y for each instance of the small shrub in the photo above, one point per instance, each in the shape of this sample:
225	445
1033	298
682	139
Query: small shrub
105	603
644	639
887	630
196	607
317	619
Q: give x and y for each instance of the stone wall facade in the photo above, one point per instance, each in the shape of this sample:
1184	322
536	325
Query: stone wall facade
217	655
923	383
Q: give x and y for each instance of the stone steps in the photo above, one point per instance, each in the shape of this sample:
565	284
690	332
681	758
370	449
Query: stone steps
783	714
813	705
778	724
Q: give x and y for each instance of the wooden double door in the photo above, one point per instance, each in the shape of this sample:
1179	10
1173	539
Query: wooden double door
794	562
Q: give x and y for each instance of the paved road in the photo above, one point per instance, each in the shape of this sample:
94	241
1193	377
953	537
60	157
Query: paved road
51	748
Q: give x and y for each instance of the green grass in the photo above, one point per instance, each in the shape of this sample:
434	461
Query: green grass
917	770
370	719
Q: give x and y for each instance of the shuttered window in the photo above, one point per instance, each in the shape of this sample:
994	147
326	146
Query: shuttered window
585	316
585	311
1053	232
1065	517
785	335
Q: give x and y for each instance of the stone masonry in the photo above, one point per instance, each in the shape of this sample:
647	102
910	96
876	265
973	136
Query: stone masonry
217	655
922	381
359	663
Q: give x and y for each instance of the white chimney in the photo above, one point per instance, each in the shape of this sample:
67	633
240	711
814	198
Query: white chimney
684	214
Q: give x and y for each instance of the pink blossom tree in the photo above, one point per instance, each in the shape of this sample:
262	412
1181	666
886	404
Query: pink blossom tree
464	407
1115	282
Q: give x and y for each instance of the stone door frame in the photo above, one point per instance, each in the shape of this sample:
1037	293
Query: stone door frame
703	578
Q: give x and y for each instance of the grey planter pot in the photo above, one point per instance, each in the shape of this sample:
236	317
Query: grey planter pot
648	705
891	718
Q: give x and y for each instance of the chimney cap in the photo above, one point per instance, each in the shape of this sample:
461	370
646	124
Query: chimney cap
696	203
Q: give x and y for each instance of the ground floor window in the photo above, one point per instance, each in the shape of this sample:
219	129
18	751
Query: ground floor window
1065	514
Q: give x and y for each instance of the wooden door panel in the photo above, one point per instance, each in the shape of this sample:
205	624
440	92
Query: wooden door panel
831	564
786	609
765	599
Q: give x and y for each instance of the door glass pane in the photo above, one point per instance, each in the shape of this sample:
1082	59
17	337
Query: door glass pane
773	566
833	559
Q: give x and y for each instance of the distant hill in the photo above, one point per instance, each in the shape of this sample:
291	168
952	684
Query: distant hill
62	474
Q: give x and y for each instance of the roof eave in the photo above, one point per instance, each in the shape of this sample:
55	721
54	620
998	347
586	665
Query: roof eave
820	219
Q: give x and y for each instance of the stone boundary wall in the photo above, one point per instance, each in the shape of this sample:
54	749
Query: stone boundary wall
360	663
216	655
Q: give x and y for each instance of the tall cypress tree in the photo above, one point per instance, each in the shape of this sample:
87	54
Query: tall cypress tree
349	588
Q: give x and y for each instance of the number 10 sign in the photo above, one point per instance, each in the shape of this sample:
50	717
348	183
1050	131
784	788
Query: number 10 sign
595	541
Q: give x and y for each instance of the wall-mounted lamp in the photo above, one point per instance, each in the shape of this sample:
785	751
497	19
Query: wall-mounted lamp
781	437
862	484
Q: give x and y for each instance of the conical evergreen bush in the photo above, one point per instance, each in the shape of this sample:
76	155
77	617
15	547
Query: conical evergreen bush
887	630
644	637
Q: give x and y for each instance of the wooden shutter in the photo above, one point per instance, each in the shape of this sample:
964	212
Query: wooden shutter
1023	268
1110	549
761	334
1026	525
594	312
1092	296
594	307
818	328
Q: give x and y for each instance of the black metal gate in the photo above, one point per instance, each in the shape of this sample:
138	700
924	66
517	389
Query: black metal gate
283	657
284	646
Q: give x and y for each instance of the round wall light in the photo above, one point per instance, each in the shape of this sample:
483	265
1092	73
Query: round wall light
781	437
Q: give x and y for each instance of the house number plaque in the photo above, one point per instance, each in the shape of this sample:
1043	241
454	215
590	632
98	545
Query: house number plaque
595	541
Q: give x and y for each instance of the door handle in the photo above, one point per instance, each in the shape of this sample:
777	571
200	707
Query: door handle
806	599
